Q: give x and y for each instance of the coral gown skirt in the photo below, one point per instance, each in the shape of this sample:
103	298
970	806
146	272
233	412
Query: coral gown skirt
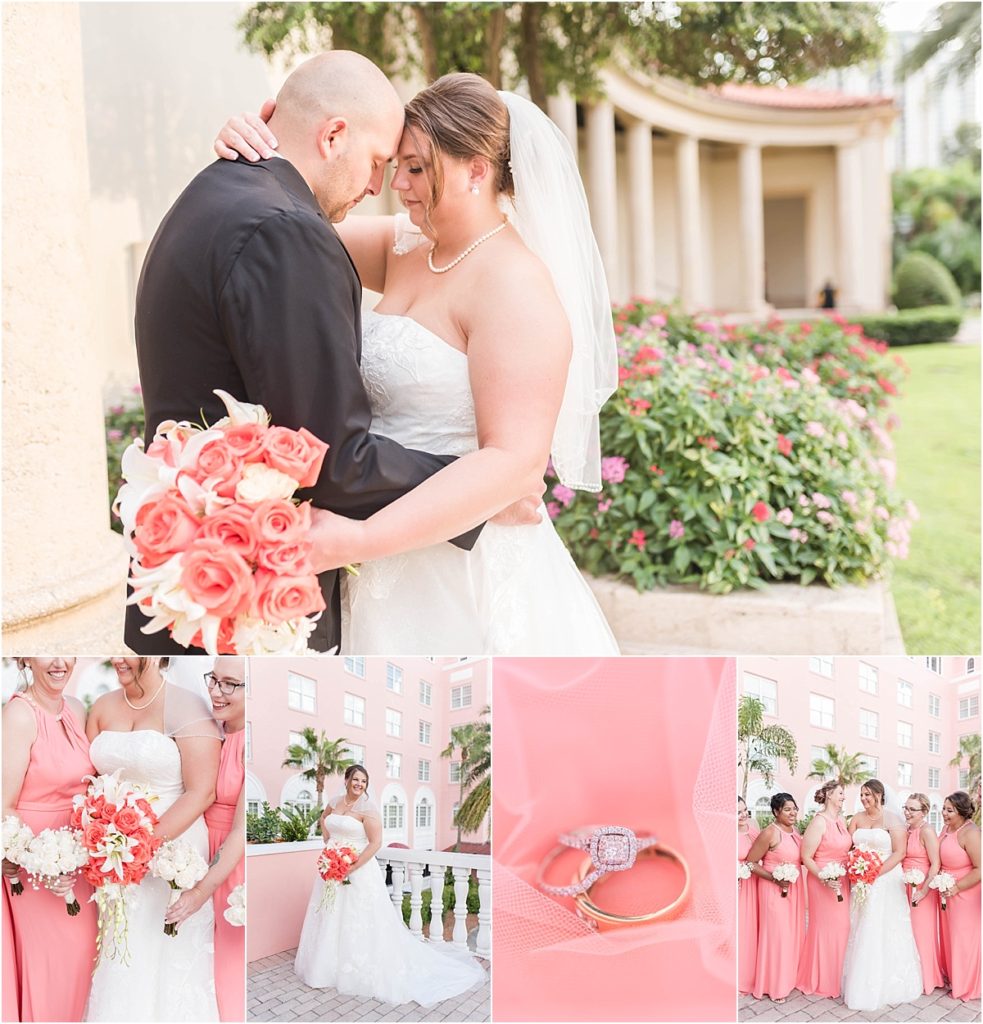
747	916
781	924
925	918
960	923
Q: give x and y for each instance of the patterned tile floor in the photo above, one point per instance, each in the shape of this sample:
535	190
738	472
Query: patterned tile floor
275	993
935	1007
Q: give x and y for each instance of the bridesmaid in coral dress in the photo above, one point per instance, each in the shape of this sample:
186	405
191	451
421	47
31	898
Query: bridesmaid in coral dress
781	919
747	903
923	853
826	841
959	853
45	756
226	820
11	996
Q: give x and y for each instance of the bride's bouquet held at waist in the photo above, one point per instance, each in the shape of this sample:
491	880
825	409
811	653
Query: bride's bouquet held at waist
219	547
115	823
863	866
333	865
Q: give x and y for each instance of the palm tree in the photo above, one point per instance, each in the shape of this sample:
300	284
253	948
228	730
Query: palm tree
760	745
956	29
473	740
969	751
319	757
837	764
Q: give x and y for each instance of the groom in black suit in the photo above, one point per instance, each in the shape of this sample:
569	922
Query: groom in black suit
248	288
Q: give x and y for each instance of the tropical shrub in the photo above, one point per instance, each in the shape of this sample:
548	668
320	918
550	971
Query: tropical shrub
738	456
297	823
921	280
264	827
913	326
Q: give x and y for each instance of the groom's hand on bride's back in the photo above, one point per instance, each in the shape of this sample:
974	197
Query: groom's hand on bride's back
247	135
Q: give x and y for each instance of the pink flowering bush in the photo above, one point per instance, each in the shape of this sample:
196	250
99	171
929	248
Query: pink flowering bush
737	456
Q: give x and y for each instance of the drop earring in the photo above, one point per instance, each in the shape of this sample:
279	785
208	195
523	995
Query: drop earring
475	190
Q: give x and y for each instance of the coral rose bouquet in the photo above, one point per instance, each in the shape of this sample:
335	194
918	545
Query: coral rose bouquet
945	883
116	823
52	853
833	872
863	865
219	546
179	864
235	912
16	838
787	874
333	865
913	877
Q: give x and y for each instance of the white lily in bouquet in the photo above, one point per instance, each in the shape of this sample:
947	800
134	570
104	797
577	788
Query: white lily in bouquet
16	838
51	854
179	864
787	874
945	883
235	912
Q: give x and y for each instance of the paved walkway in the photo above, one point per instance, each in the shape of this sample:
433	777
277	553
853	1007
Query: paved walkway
937	1006
275	993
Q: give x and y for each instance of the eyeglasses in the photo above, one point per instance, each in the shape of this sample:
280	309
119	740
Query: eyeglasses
226	687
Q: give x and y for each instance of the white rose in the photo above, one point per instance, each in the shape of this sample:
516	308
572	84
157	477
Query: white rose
263	483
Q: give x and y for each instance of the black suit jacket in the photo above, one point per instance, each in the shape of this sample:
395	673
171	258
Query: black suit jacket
247	287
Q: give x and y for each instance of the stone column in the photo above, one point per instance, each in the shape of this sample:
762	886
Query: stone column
562	108
849	225
641	206
64	568
602	187
689	232
752	221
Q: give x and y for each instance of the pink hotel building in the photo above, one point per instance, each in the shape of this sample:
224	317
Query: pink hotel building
904	714
395	713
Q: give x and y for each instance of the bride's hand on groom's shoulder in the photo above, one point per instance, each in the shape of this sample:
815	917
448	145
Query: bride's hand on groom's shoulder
247	135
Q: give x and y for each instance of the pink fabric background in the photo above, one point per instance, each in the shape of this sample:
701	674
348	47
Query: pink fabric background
647	743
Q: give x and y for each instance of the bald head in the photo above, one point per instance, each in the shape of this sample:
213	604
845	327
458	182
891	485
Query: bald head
338	83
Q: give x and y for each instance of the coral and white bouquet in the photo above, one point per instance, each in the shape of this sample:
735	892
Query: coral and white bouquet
117	825
235	912
179	864
788	874
220	549
743	872
833	872
333	865
54	852
944	882
16	838
913	877
863	865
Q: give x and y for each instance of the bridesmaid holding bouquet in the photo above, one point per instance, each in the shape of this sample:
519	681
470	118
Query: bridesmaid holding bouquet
959	853
747	902
922	854
781	902
826	841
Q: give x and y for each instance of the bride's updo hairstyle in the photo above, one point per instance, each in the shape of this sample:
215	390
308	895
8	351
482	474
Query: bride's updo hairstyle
350	771
963	803
779	800
460	116
822	794
876	787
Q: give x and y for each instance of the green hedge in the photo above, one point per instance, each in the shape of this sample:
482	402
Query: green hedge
913	326
449	898
921	280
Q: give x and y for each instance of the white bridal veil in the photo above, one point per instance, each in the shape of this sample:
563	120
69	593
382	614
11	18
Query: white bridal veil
552	218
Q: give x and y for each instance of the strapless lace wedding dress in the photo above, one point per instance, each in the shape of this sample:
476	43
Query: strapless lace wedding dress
517	591
169	978
361	947
881	967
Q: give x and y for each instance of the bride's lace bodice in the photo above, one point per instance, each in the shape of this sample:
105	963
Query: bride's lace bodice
345	830
418	386
144	756
876	838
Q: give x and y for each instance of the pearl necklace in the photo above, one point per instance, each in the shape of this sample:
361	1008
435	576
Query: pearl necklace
467	252
140	707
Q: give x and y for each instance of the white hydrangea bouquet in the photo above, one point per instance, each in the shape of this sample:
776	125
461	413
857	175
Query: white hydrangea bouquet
833	872
913	877
16	837
787	874
944	882
179	864
235	912
52	853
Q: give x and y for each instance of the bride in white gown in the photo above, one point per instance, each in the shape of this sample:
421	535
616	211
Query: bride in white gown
493	341
881	967
359	944
163	737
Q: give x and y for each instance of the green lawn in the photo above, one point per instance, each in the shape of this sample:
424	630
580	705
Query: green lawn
937	589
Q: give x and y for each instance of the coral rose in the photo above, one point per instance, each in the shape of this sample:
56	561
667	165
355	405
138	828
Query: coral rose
94	834
163	528
233	528
217	578
128	819
245	439
218	467
282	522
287	559
298	453
280	598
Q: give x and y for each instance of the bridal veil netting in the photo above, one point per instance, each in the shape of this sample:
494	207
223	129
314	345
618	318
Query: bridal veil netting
551	216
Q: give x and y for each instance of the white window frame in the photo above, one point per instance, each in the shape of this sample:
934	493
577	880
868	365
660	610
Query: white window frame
394	723
753	688
426	693
934	742
394	765
422	769
869	678
394	678
906	735
934	778
355	666
394	804
904	773
821	665
355	752
454	772
354	710
460	696
301	693
865	724
970	705
425	732
870	764
906	693
821	713
426	805
934	705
